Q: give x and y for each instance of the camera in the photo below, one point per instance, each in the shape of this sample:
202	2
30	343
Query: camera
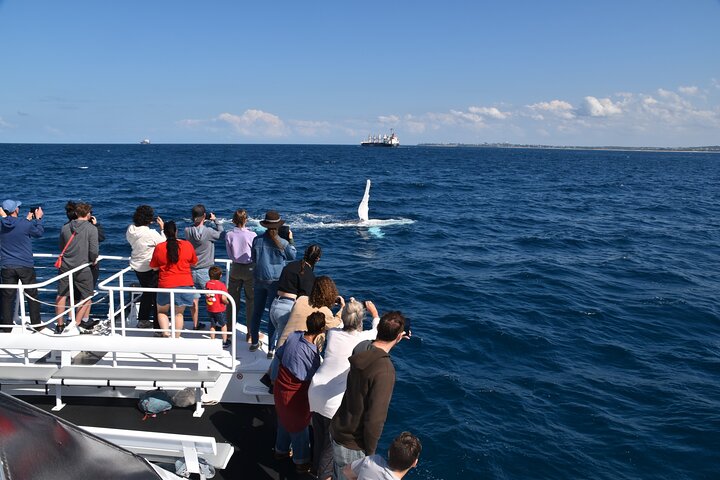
33	210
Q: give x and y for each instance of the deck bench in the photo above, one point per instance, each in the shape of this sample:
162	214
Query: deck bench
120	374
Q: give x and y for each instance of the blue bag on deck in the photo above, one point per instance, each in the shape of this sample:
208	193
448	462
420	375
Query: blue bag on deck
153	402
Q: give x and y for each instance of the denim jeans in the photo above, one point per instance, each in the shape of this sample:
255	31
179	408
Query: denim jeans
264	293
11	275
279	315
300	442
342	456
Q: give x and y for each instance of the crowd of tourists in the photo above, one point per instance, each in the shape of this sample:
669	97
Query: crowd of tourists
328	375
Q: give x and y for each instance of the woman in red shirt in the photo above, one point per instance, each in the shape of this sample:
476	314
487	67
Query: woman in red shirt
173	258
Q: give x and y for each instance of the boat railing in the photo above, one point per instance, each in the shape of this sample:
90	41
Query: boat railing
117	289
21	308
119	307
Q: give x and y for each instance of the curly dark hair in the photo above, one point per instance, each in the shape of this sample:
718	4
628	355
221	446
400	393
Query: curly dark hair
324	292
144	215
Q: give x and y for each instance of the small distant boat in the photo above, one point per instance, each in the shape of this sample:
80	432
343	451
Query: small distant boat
145	141
384	140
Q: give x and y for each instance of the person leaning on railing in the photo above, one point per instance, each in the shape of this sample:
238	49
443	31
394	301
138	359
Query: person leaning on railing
173	258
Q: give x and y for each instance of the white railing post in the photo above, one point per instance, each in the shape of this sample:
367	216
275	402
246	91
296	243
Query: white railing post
21	304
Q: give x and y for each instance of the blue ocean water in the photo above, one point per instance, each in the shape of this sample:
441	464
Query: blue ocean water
563	302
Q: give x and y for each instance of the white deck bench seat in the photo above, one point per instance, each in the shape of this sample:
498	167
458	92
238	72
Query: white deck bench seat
32	373
133	376
121	373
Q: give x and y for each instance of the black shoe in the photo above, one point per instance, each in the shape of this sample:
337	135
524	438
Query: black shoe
265	380
227	344
200	326
254	347
59	328
88	324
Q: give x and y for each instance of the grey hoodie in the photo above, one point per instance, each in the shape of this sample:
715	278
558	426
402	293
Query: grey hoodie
202	239
84	246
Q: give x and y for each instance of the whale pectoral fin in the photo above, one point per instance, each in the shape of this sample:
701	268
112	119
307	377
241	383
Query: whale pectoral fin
363	208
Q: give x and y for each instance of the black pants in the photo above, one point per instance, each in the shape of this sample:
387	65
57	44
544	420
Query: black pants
148	300
322	456
11	275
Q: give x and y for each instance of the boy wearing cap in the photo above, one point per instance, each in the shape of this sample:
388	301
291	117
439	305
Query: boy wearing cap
16	258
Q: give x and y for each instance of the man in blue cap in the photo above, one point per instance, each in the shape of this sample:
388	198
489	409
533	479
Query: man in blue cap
16	257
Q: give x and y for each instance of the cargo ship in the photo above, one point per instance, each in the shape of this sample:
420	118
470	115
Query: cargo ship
384	140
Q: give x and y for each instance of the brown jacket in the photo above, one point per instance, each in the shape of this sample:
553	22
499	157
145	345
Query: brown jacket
359	421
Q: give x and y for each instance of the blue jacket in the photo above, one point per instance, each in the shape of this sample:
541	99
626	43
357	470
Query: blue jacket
15	241
269	260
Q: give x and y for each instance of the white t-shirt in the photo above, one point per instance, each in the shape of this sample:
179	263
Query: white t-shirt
328	384
374	467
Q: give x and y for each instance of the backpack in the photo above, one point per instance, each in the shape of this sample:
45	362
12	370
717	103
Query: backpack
153	402
184	398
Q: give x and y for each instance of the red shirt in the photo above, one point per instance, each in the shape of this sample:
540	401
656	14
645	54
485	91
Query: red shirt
215	302
176	274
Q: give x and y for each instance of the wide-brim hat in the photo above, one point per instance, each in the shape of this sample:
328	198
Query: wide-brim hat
272	220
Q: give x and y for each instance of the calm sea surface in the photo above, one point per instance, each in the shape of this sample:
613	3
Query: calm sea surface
563	302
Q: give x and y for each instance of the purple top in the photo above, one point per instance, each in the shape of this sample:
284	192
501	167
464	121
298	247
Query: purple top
238	243
299	356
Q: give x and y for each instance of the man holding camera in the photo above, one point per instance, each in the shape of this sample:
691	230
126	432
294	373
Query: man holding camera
203	240
16	257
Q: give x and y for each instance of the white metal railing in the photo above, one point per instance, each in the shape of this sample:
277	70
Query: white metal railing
21	287
122	306
121	309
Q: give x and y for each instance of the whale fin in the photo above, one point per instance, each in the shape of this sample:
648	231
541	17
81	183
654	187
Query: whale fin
363	208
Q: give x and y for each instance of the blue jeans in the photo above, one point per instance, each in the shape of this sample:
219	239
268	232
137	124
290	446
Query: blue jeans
279	315
300	442
264	293
342	456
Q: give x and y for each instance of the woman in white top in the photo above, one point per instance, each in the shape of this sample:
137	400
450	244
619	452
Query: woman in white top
328	384
142	240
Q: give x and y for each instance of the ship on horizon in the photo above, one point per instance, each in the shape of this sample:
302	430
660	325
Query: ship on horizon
384	140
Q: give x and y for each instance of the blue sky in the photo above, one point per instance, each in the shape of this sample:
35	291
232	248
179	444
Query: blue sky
553	72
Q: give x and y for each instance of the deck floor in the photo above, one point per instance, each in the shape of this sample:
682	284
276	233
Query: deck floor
250	428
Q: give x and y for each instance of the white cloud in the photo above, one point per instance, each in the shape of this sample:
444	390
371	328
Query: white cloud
558	108
601	107
389	119
689	90
489	112
255	123
4	124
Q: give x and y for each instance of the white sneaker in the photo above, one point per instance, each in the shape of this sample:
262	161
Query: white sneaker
70	329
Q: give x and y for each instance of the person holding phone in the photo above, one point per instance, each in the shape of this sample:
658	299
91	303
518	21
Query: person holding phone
16	257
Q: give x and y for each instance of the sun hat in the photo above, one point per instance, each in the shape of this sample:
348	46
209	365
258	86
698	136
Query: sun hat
11	205
272	220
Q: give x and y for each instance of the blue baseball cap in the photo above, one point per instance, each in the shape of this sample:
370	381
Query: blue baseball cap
11	205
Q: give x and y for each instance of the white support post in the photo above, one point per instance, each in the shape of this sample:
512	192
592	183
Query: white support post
199	410
58	399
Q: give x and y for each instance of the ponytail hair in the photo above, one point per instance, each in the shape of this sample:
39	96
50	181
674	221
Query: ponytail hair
173	248
240	217
273	234
312	255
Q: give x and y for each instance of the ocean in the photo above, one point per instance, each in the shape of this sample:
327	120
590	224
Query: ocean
563	303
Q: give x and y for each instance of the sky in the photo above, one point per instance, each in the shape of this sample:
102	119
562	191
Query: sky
593	73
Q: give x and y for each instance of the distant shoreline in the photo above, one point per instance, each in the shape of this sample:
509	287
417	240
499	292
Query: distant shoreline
704	149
